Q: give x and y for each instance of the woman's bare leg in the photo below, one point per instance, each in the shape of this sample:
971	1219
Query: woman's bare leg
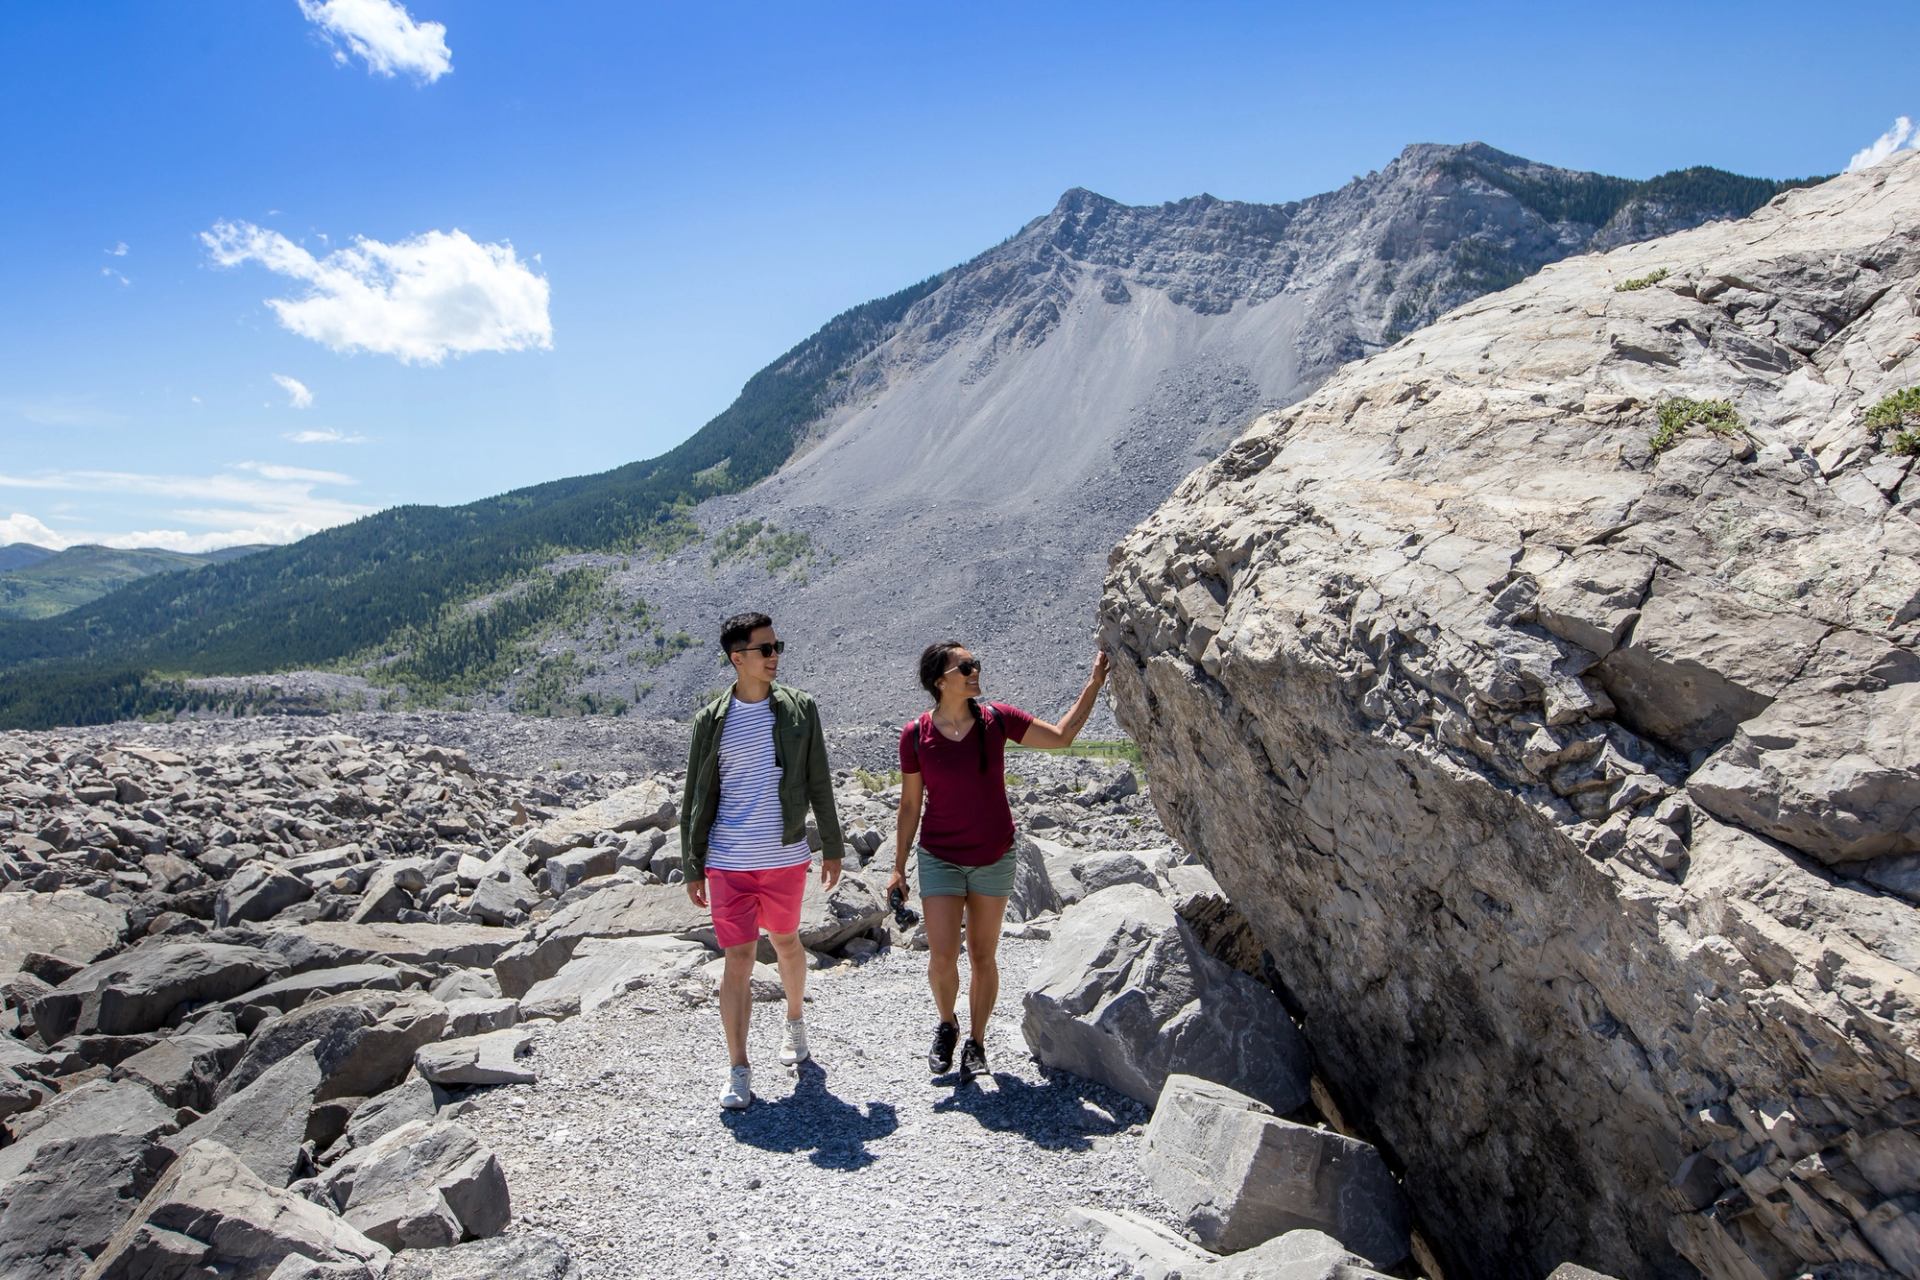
984	918
943	914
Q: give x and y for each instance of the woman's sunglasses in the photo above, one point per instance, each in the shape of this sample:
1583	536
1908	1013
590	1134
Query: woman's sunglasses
966	668
764	650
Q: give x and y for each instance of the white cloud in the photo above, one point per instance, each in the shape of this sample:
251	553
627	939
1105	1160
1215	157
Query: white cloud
298	396
324	436
111	274
384	35
1902	134
246	503
118	251
24	528
62	411
438	294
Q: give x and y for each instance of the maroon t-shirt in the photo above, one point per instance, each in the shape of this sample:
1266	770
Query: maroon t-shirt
966	820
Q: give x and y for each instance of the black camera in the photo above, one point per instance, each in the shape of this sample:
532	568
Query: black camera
903	915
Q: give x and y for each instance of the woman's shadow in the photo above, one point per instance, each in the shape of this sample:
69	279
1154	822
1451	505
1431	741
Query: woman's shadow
1063	1113
814	1119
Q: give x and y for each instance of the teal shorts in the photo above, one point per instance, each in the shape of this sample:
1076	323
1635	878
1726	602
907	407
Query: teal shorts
942	879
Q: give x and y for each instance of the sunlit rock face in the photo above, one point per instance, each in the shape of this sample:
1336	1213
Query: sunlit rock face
1573	780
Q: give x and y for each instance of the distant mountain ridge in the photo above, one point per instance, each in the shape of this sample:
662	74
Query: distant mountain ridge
36	582
1092	358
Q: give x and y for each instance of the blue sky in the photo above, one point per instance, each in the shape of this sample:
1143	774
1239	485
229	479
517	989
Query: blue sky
585	225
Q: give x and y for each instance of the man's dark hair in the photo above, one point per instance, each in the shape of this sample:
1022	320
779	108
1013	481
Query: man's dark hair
735	630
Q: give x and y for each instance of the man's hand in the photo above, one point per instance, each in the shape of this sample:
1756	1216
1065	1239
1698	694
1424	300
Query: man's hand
1101	664
697	890
829	872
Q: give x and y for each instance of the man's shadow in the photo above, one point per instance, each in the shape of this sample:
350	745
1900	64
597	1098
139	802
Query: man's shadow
815	1120
1063	1114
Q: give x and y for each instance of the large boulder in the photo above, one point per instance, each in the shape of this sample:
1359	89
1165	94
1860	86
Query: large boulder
426	1185
184	1070
1237	1175
264	1123
258	891
67	923
365	1040
329	944
415	1098
493	1057
293	991
138	990
627	910
1127	996
90	1110
636	808
602	968
68	1200
210	1215
1553	750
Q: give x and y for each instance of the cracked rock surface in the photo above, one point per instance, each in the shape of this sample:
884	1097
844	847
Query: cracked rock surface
1574	784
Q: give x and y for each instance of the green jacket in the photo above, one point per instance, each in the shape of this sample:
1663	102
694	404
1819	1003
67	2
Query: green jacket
799	748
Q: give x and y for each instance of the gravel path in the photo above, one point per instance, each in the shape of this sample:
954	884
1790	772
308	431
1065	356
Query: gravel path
857	1165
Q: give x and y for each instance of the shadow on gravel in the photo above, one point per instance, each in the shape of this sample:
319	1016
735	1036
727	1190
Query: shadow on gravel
814	1119
1063	1114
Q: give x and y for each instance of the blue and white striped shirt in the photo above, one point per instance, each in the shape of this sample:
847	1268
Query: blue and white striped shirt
746	830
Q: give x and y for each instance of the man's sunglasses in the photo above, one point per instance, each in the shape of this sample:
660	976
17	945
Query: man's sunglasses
764	650
966	668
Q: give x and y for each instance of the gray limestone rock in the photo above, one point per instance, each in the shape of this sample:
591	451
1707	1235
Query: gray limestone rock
472	1015
210	1215
645	805
626	910
1098	871
426	1185
602	968
61	1210
1150	1250
72	925
491	1058
264	1123
1555	855
258	891
415	1098
389	891
293	991
137	989
183	1070
1238	1175
365	1040
99	1107
1127	996
328	944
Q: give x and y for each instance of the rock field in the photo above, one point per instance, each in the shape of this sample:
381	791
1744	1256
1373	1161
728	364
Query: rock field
323	1004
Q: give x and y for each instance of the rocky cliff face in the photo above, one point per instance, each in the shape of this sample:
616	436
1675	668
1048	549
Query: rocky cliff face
1572	776
976	464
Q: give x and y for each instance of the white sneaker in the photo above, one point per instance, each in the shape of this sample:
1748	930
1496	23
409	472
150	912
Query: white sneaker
793	1043
739	1090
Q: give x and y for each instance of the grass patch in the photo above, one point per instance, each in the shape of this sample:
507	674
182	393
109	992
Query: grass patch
1015	780
1638	283
1097	748
1679	415
874	783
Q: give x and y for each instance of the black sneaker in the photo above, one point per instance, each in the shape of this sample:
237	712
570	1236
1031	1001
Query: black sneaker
973	1060
940	1057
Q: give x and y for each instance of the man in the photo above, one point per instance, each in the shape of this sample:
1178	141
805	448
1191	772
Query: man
758	760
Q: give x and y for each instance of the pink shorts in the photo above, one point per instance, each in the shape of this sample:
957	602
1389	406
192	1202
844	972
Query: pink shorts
745	902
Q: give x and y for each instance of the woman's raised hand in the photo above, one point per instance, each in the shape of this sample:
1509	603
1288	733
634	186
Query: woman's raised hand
1100	666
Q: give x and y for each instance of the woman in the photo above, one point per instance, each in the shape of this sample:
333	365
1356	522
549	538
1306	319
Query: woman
953	758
